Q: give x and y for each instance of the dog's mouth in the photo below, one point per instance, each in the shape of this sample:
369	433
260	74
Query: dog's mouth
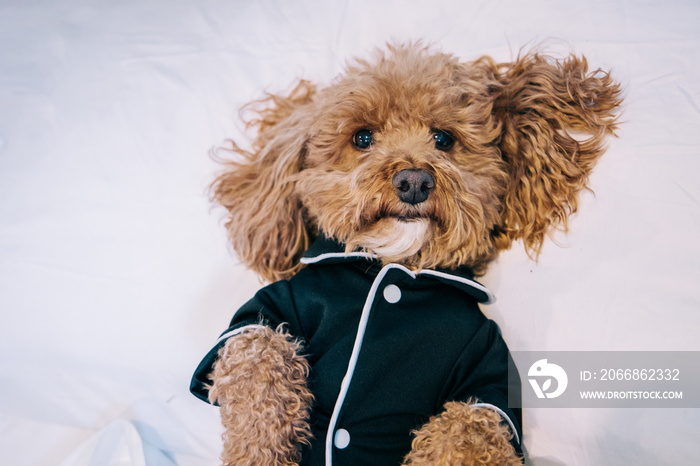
407	216
402	213
412	217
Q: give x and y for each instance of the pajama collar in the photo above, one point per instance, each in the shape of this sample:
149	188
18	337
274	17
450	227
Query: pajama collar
328	251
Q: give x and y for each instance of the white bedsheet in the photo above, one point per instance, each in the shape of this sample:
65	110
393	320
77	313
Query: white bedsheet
115	277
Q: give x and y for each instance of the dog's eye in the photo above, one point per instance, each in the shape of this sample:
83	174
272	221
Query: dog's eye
443	141
362	139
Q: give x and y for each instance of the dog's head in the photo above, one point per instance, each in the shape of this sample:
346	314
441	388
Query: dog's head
418	158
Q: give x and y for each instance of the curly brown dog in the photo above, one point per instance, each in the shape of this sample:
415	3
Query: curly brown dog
370	204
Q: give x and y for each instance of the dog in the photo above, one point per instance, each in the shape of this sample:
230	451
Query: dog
370	205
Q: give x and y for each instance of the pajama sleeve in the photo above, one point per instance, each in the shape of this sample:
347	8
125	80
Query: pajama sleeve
482	376
271	306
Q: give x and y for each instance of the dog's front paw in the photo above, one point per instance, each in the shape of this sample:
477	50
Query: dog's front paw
259	382
465	436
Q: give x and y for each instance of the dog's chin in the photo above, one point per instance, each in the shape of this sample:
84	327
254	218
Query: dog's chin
395	239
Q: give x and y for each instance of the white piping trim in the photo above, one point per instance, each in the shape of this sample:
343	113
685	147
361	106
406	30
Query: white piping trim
335	255
490	296
502	414
362	326
238	330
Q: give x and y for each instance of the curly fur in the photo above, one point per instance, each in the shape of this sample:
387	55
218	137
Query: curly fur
259	380
266	226
513	174
463	436
543	105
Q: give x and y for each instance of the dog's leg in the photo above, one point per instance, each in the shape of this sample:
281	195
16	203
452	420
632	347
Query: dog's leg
259	382
464	436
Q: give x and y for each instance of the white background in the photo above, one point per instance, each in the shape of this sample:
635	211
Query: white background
115	276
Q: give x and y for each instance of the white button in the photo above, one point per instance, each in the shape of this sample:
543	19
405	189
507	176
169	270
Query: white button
342	439
392	294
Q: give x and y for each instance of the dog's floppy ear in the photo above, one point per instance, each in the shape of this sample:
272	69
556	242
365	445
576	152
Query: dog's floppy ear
555	116
265	221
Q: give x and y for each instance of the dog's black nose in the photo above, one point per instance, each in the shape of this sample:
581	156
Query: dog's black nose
413	185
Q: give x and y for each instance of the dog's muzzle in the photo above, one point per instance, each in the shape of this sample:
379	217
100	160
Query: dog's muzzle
413	185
